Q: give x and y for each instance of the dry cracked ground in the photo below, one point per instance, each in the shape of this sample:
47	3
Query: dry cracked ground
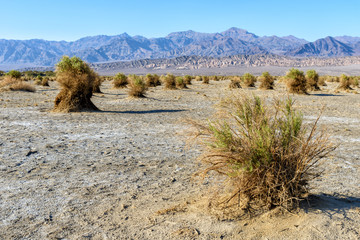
127	173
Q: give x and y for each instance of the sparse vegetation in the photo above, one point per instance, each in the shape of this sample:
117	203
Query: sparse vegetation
266	81
312	79
266	155
169	82
187	79
205	79
249	80
296	82
76	79
344	83
180	83
235	82
152	80
13	84
137	86
120	81
14	74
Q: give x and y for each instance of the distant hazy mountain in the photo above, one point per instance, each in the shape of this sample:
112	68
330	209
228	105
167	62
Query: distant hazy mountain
233	41
324	47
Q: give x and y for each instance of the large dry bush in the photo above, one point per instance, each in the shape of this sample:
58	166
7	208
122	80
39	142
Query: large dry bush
76	79
120	81
137	86
262	155
296	82
266	81
169	82
249	80
344	83
312	80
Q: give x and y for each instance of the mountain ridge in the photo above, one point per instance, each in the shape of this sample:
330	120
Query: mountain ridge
123	47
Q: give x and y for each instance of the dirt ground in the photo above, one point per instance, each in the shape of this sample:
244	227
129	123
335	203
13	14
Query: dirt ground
127	173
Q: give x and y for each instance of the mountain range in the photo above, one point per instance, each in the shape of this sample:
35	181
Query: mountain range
234	41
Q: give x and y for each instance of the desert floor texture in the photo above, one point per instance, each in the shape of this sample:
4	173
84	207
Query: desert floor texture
127	173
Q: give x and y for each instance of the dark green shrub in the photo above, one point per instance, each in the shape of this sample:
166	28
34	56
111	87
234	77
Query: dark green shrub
14	74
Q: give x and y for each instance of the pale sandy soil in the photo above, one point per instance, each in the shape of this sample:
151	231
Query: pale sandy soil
126	173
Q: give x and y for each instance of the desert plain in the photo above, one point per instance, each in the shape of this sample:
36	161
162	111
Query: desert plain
127	172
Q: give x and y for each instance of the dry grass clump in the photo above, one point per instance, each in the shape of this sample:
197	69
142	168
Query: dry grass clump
180	83
137	86
205	79
344	83
198	78
76	79
312	80
152	80
354	81
120	81
235	82
322	80
263	155
266	81
296	82
187	79
332	78
169	82
249	80
15	84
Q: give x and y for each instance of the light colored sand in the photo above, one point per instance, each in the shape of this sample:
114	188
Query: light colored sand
106	175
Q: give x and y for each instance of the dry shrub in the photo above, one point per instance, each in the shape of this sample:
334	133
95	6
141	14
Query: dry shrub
137	86
97	83
180	83
45	82
296	82
120	81
169	82
322	80
205	79
266	81
152	80
215	78
263	156
235	82
354	81
198	78
332	78
15	84
344	83
187	79
249	80
76	79
312	79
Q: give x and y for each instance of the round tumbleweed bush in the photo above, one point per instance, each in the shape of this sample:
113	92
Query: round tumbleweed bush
263	155
296	81
76	79
266	81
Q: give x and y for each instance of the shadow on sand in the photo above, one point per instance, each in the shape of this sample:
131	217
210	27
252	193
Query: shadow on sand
146	111
330	204
326	95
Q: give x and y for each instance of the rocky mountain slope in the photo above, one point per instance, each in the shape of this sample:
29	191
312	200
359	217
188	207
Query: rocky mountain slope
233	41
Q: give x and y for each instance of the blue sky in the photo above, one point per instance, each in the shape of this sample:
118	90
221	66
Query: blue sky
71	20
